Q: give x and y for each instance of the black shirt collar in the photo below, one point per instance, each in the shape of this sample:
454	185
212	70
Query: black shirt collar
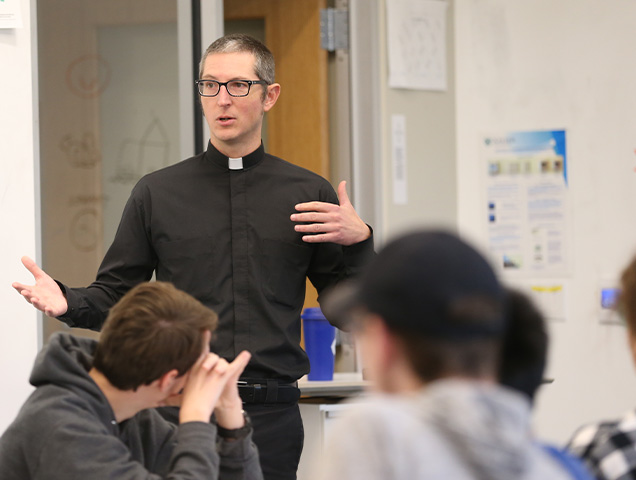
221	160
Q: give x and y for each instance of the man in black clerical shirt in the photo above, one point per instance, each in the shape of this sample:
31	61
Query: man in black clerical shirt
240	230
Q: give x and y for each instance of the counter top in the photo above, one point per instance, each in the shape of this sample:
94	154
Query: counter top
342	385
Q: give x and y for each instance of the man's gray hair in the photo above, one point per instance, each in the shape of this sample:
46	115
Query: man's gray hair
239	42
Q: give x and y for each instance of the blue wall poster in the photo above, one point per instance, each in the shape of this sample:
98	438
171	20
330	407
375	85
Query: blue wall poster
527	201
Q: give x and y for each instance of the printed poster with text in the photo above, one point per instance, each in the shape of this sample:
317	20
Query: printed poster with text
527	201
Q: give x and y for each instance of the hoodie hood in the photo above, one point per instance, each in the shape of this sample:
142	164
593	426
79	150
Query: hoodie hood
487	426
64	362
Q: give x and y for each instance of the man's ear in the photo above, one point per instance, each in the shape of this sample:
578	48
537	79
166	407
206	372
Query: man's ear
273	91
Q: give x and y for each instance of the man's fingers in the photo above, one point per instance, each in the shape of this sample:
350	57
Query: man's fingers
41	306
25	291
320	238
47	311
20	287
311	217
32	267
316	207
343	196
316	228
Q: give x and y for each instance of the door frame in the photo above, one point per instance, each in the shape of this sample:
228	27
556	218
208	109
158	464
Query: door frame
364	101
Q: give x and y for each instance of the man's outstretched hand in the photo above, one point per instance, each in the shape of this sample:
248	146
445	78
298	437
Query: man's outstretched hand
327	222
45	295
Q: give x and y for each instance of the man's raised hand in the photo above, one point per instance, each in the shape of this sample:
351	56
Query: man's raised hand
46	294
327	222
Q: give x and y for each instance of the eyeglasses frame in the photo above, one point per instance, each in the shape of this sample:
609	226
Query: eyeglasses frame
224	84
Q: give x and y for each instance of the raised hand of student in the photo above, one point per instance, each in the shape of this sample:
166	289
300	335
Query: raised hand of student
46	294
205	385
229	408
328	222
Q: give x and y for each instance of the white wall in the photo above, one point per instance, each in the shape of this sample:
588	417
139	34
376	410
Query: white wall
430	145
18	212
549	65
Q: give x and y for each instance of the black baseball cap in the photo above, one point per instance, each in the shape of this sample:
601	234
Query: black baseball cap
420	282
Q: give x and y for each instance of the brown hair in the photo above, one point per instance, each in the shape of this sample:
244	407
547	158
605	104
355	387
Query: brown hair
264	66
153	329
627	298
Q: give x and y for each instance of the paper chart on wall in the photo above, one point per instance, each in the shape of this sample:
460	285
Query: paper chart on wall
10	14
527	202
398	156
416	35
551	300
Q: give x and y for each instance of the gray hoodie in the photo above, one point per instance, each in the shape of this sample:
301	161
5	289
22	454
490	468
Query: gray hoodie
67	430
452	429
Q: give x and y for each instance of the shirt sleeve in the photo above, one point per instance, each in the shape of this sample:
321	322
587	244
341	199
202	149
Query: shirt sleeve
358	255
589	443
332	263
129	261
239	459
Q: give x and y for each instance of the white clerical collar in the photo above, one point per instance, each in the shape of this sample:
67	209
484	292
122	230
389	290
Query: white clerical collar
235	163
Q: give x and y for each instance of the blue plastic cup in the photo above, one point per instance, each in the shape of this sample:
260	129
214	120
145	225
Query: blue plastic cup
320	344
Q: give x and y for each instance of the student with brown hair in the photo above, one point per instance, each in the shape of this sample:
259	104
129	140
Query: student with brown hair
92	412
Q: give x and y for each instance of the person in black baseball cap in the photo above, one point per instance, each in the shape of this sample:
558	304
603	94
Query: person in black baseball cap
429	318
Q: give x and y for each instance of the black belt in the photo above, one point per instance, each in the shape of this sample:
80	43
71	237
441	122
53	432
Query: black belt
268	391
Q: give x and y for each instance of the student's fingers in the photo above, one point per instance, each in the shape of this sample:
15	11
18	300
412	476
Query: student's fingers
231	371
221	367
211	360
238	365
206	362
207	336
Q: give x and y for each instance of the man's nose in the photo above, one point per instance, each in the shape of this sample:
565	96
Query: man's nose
224	97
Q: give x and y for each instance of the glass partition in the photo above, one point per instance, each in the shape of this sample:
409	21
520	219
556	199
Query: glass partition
109	113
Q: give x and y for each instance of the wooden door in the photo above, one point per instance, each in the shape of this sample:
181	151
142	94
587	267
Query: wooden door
297	126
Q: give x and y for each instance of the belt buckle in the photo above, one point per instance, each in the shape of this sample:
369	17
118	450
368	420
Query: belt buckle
252	392
246	394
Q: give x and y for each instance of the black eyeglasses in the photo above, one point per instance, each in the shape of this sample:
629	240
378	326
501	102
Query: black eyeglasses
236	88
